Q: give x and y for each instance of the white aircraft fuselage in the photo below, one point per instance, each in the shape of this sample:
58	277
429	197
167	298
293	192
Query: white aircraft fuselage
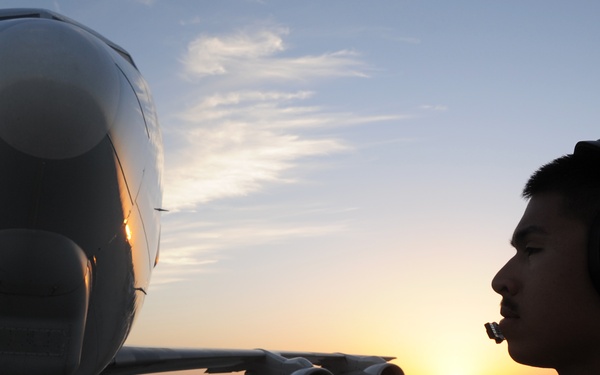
80	194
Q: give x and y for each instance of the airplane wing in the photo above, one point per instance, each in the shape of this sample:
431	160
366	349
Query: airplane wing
139	360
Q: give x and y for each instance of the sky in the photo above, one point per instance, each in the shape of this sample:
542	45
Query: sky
344	175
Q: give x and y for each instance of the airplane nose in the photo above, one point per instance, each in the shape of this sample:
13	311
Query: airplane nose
58	88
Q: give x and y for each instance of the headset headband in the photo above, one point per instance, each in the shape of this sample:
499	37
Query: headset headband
591	149
588	148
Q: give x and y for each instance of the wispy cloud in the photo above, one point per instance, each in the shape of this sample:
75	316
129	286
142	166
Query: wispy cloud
211	237
257	55
242	133
231	143
436	107
196	246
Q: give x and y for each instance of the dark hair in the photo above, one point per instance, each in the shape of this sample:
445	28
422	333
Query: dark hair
576	178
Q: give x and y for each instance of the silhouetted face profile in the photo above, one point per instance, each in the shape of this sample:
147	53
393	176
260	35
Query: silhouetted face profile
551	310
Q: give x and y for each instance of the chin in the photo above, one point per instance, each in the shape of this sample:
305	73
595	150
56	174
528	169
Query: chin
530	354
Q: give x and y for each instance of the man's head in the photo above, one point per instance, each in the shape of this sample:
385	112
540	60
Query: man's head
550	307
576	177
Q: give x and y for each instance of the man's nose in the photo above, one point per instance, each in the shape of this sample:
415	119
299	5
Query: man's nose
505	282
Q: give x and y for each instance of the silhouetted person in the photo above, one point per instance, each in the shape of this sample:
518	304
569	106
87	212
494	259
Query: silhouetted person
551	287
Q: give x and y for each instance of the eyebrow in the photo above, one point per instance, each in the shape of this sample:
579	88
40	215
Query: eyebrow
521	234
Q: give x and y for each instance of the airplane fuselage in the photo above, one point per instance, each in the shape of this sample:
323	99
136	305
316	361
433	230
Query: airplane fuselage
80	168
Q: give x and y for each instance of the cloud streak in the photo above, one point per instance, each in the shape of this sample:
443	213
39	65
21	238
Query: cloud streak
197	246
241	133
232	143
256	56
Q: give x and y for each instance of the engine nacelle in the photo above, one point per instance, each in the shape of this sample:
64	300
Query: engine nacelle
312	371
383	369
300	363
362	365
275	364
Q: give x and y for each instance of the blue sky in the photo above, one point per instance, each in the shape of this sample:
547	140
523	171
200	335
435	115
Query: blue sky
345	175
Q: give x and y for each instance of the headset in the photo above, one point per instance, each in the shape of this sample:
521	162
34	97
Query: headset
591	149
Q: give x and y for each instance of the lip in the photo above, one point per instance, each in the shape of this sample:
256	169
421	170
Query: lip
508	312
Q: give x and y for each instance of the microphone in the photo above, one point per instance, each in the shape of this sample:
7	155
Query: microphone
494	332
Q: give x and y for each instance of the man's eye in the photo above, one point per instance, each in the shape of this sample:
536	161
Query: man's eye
532	250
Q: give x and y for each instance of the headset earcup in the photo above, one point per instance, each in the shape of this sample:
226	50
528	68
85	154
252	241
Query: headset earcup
594	252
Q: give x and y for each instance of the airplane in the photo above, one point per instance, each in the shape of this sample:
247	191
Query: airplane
81	160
